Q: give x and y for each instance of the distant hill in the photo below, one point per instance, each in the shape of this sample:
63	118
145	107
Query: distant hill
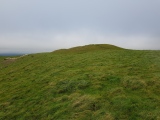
89	48
92	82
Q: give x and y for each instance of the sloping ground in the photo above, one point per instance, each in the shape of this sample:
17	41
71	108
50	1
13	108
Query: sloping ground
89	48
99	85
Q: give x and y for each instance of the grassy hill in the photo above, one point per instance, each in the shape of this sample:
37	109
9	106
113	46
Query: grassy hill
88	48
97	82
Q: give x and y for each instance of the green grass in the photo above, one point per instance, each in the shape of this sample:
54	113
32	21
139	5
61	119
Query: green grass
97	82
88	48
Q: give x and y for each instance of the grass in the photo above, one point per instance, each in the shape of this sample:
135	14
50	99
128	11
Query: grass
96	82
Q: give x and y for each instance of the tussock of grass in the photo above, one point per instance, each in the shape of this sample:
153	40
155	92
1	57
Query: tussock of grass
102	82
134	84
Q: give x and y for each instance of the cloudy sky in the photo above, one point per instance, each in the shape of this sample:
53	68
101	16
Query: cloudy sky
29	26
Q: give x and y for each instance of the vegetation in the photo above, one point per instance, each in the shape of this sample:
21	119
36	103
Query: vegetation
97	82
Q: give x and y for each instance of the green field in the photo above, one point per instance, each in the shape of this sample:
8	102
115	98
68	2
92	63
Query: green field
94	82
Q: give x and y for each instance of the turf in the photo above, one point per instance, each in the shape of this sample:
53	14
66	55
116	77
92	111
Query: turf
97	82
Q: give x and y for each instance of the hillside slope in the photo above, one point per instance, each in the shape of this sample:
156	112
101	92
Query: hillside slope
97	85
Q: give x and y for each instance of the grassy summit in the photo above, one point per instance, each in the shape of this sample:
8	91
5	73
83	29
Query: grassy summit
88	48
102	84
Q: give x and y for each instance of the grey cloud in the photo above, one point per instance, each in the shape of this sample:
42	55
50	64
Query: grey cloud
46	25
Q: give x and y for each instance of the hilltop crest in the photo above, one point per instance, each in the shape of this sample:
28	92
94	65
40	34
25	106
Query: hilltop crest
87	48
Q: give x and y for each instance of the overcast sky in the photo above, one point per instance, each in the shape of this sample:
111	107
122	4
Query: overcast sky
29	26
